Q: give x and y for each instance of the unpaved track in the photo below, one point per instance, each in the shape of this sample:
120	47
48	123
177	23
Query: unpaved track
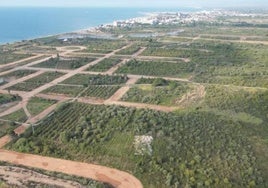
4	140
114	68
112	176
122	91
117	95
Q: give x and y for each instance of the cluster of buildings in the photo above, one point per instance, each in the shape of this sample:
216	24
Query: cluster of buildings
165	18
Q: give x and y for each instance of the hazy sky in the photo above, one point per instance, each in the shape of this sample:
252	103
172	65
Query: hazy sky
135	3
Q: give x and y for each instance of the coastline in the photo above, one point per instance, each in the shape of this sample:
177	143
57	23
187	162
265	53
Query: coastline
92	22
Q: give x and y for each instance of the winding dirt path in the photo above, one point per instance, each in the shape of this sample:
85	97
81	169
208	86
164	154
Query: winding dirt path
112	176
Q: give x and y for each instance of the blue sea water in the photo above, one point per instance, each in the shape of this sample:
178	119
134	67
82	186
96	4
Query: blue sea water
21	23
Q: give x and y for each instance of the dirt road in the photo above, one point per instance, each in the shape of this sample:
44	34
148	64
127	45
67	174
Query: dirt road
112	176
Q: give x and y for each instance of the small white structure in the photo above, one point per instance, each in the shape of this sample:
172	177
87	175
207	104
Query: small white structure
142	145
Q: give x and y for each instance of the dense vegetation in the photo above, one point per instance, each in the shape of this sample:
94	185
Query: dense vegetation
219	141
36	82
190	148
36	105
104	65
212	62
160	92
157	68
87	79
237	64
61	63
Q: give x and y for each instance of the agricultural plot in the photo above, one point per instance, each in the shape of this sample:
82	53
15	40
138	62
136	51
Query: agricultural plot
96	91
188	148
174	52
99	91
13	121
68	90
104	65
220	37
36	82
130	50
157	68
15	75
86	79
104	46
37	105
6	98
64	63
9	57
250	102
166	93
34	59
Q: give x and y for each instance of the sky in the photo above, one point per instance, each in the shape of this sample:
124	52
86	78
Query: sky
136	3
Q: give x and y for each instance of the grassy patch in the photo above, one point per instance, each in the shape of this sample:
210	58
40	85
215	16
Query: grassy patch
37	105
168	95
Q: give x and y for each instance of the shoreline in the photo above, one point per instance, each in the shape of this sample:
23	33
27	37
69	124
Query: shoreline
144	13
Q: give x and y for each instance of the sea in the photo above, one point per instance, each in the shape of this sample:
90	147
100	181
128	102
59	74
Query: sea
23	23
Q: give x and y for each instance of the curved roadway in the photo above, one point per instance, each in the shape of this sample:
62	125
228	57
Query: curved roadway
112	176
